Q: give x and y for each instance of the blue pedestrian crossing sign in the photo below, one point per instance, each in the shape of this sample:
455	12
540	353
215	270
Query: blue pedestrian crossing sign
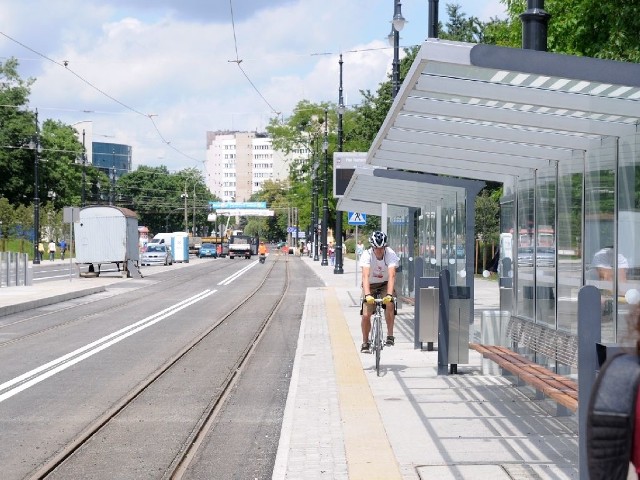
356	218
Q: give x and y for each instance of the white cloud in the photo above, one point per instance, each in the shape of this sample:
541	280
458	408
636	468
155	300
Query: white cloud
153	59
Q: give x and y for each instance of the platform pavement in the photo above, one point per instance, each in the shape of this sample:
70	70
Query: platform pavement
342	421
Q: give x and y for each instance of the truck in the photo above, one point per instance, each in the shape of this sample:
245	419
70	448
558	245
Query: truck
194	245
242	245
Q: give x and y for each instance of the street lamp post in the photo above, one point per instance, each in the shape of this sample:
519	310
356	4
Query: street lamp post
397	24
112	196
314	199
35	145
338	268
84	171
325	200
185	196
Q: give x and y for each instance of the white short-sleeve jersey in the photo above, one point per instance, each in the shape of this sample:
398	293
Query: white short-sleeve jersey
379	269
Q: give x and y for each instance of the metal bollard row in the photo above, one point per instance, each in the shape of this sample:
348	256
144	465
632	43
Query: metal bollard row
14	269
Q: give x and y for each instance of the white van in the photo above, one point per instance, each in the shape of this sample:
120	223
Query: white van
162	238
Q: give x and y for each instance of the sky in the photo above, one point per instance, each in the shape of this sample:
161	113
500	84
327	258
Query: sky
158	74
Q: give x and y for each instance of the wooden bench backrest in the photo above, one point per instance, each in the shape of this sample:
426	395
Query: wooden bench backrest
561	346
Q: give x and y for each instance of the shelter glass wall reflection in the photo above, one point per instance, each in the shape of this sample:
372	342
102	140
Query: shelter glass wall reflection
599	228
525	241
397	231
569	241
544	247
628	233
442	236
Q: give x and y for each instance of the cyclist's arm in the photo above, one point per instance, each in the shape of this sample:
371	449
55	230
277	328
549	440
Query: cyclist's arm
391	283
366	286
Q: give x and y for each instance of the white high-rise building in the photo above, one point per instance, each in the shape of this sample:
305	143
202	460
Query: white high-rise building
238	164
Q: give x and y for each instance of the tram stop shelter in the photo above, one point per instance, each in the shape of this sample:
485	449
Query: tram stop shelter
561	134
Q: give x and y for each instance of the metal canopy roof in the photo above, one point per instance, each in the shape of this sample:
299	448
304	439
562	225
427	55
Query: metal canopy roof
369	188
492	113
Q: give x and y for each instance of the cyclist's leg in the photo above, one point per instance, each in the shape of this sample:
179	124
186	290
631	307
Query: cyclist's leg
390	317
365	325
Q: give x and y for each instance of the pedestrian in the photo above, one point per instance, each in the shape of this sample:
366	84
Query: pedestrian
40	251
359	250
63	248
332	254
52	250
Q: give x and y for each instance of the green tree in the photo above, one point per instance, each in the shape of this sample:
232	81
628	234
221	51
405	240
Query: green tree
156	195
487	220
17	128
461	28
60	173
593	28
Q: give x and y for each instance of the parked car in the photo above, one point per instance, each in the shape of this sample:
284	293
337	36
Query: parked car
546	256
208	250
525	256
157	254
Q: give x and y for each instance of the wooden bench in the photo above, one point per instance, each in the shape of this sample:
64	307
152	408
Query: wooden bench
560	346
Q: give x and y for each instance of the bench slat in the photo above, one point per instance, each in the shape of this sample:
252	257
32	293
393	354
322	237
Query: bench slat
560	389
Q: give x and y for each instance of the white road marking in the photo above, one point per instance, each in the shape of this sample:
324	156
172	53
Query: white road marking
236	275
47	370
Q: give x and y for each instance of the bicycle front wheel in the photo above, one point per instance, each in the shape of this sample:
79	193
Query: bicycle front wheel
377	342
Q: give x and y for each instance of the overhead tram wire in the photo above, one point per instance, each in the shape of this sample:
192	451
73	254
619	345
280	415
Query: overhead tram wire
65	65
238	61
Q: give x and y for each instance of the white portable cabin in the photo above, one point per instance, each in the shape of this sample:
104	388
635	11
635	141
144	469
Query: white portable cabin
106	234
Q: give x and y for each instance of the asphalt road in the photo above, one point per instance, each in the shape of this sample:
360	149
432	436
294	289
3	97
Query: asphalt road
48	396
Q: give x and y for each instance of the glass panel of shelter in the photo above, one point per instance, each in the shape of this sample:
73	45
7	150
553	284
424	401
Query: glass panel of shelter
569	240
599	231
628	189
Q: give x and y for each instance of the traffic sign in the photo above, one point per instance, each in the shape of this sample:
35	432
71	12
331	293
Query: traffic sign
292	229
356	218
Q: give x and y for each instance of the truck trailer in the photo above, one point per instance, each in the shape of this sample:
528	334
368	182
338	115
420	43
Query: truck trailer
107	234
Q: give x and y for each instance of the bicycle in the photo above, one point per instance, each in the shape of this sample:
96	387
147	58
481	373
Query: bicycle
376	334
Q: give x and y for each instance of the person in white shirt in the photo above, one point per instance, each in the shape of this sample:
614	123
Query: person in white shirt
52	250
379	265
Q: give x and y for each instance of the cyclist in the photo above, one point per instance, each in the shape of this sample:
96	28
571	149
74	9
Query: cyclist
379	264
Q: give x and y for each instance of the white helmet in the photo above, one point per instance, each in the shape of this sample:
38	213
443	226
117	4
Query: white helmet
378	239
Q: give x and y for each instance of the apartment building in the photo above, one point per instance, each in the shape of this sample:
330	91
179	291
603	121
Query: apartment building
238	164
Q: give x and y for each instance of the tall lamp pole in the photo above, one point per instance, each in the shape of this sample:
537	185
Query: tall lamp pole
84	171
338	268
113	186
36	199
397	24
325	200
185	196
314	209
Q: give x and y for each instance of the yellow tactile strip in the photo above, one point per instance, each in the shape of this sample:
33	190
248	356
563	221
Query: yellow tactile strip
369	454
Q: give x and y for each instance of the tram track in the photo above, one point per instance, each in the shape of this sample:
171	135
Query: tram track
190	444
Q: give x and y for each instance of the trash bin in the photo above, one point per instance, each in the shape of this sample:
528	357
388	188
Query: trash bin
427	310
459	315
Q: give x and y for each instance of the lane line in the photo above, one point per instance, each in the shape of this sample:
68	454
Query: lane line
49	369
236	275
369	453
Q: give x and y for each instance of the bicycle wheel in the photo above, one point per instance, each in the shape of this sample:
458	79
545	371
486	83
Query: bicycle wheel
377	341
